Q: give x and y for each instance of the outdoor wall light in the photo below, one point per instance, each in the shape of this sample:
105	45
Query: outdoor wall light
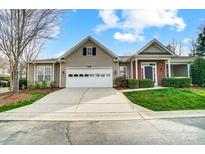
63	72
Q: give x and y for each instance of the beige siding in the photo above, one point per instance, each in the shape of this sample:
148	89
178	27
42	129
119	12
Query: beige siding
31	73
56	74
76	59
152	49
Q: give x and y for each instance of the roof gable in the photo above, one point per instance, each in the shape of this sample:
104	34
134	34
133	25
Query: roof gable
89	38
154	47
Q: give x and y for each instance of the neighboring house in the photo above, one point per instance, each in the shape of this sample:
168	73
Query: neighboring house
91	64
4	67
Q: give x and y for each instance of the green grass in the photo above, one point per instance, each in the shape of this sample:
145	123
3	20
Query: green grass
34	97
169	99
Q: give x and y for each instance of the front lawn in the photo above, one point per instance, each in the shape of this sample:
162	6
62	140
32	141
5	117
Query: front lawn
169	99
24	98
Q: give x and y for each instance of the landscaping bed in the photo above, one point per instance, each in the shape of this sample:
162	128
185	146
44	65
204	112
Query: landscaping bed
169	98
10	101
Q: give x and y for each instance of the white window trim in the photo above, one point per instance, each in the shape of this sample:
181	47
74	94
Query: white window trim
51	74
89	53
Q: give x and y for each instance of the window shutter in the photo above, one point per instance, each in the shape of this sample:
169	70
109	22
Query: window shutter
94	51
84	51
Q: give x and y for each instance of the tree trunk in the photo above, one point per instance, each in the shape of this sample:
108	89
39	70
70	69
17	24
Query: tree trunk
11	75
16	79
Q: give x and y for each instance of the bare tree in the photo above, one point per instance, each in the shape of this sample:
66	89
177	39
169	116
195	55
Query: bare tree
31	52
18	28
176	47
192	48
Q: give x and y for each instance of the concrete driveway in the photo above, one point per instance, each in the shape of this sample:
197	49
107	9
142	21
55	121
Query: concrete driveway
77	104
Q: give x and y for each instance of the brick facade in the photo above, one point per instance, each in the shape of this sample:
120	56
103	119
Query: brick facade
160	69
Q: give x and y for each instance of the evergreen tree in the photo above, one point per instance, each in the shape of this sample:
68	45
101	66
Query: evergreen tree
200	43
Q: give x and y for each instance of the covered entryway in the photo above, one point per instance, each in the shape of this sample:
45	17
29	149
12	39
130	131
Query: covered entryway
149	71
89	77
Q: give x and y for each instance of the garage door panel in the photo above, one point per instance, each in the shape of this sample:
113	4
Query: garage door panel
89	77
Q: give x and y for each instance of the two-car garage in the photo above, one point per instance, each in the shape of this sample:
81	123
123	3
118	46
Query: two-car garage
89	77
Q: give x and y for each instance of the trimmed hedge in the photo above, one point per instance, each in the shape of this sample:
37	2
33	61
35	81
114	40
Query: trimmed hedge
177	82
146	83
133	84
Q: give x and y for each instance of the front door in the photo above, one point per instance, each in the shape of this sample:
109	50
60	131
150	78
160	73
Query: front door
149	71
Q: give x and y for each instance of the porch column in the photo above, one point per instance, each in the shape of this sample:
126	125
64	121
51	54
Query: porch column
136	69
169	68
188	70
34	74
60	76
53	72
118	70
131	71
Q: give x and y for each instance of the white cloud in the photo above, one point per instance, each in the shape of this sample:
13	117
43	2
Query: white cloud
109	18
60	53
131	23
186	40
127	37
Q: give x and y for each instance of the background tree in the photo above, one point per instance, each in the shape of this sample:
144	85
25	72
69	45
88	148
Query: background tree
31	52
192	48
200	42
18	28
176	47
198	72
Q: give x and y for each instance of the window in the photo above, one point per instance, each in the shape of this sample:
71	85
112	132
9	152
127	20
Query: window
44	73
70	75
123	71
75	75
86	75
81	75
89	51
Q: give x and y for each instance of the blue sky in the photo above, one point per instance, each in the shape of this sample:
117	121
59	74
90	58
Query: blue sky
124	31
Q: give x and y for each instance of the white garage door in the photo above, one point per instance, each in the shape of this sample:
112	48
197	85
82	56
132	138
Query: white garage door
89	77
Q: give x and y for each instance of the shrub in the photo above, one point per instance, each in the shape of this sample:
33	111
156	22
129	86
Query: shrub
5	78
37	85
22	84
197	71
43	85
31	85
177	82
146	83
133	83
120	82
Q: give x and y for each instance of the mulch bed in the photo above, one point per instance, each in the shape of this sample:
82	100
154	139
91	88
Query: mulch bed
8	97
